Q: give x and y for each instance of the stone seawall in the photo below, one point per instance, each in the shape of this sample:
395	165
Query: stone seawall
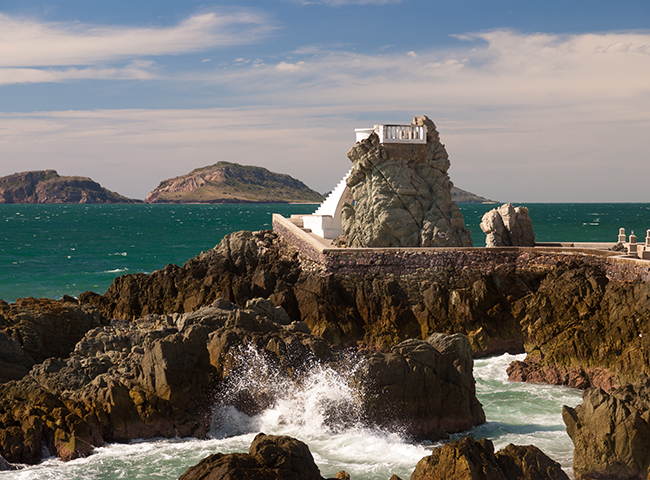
403	261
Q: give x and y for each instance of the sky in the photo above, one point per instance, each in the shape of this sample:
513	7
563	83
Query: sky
535	101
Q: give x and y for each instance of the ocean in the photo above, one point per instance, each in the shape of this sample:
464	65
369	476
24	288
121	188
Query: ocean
52	250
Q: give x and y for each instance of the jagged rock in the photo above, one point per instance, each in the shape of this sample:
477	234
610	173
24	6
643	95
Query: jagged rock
611	433
269	458
377	309
569	314
32	330
469	459
585	330
508	226
402	195
406	386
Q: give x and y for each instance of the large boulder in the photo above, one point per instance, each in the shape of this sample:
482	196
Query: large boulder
469	459
611	433
270	457
508	226
402	195
423	388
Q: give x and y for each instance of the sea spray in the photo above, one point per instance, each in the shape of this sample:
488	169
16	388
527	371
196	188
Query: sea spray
517	413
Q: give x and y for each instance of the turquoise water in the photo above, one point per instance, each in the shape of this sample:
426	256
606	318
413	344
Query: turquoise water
52	250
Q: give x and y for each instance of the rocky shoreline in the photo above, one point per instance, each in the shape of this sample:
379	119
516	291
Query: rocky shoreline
122	371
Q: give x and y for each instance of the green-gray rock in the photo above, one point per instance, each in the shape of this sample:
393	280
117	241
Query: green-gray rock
402	195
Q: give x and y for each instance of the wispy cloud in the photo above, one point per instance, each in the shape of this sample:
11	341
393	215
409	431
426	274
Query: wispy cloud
28	48
525	117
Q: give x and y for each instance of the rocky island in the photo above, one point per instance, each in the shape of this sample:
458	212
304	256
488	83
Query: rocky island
226	182
47	186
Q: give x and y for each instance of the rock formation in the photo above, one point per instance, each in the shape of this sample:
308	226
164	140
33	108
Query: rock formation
585	330
269	458
508	226
469	459
226	182
46	186
400	398
377	309
611	433
32	330
402	195
160	376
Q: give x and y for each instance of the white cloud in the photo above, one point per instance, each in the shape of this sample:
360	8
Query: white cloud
27	47
524	118
289	67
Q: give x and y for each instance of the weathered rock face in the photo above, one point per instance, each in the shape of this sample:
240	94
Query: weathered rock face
469	459
572	318
407	384
270	457
342	308
161	375
584	330
611	433
32	330
508	226
402	195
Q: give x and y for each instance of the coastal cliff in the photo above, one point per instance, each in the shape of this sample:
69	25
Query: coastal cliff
574	318
226	182
47	186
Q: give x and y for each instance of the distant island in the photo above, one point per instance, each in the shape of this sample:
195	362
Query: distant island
223	182
463	196
226	182
47	186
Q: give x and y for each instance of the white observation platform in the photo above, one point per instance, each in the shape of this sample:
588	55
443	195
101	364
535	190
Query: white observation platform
326	220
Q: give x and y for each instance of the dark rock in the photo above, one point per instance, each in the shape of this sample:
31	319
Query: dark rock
508	226
269	458
425	389
585	330
32	330
402	195
611	432
5	465
469	459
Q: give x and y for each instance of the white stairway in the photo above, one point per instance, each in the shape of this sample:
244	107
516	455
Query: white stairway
328	207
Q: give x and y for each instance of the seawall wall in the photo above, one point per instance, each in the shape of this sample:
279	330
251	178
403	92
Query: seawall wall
402	261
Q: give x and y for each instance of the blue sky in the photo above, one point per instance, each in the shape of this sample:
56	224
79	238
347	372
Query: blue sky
535	101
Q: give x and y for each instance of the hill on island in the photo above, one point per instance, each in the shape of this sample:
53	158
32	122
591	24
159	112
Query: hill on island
47	186
226	182
463	196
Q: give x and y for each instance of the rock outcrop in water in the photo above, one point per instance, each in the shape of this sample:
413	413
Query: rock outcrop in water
611	433
508	226
400	396
585	330
402	195
270	457
469	459
46	186
161	375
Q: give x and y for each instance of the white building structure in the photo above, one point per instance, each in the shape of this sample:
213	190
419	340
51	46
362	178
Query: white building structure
326	220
